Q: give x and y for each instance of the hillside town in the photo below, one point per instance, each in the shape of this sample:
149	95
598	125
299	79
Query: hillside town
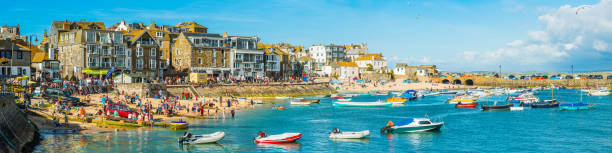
187	52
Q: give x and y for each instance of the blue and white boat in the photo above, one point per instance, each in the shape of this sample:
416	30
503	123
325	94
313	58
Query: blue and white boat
410	94
415	125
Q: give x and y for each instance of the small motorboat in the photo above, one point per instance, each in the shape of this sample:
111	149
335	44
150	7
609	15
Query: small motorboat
310	100
461	105
545	104
336	134
177	125
599	93
282	97
410	94
362	104
199	139
413	125
300	103
337	97
279	138
448	93
517	108
464	99
344	100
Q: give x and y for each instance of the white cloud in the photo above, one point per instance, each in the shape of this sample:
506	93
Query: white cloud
600	45
567	36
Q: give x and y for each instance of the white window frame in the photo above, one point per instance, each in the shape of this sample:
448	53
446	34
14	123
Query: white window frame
153	51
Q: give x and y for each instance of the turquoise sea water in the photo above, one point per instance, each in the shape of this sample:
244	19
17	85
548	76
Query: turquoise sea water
465	130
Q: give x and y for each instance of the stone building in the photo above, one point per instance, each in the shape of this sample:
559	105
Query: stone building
58	27
345	70
90	51
14	58
202	53
143	56
372	60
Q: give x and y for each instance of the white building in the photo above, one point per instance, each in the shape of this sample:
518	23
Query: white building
376	60
324	54
346	70
400	69
248	61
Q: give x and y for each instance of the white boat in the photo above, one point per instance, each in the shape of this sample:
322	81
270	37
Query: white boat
300	103
599	93
279	138
204	138
344	100
349	135
282	97
258	101
413	125
362	104
517	108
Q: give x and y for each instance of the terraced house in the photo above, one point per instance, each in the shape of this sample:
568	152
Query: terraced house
202	54
14	58
143	56
248	61
88	49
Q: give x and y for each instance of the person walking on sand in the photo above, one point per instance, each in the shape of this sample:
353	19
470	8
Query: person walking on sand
233	113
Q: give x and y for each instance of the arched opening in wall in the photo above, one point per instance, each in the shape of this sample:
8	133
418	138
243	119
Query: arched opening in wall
469	82
445	81
457	81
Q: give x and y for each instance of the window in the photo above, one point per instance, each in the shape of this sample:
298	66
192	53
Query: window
153	51
128	62
200	51
19	55
119	50
117	37
105	50
6	54
159	34
119	62
239	56
93	62
139	63
259	57
139	52
214	59
152	64
237	65
200	61
247	65
91	36
92	49
105	62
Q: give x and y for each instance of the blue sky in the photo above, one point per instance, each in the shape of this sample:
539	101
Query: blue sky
455	35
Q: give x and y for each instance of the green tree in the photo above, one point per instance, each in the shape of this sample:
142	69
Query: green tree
370	67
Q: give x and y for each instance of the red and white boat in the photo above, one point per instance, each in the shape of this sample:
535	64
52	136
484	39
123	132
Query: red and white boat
337	97
472	105
279	138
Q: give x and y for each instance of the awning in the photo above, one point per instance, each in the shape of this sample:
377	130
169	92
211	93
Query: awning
94	72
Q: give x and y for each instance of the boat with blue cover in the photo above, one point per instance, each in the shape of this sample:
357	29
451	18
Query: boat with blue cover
410	94
413	125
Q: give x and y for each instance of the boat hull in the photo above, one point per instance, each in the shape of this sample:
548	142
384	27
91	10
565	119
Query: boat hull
472	105
310	100
545	105
496	107
407	129
287	139
362	104
349	135
205	138
178	126
575	107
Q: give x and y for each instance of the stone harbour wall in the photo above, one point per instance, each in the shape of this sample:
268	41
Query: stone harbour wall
17	133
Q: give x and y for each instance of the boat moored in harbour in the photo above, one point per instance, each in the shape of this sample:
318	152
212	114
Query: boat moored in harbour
413	125
278	138
362	104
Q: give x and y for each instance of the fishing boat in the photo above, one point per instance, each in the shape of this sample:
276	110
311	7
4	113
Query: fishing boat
410	94
200	139
337	134
177	125
344	100
547	103
599	93
362	104
299	103
471	105
464	99
496	107
310	100
278	138
414	125
576	106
